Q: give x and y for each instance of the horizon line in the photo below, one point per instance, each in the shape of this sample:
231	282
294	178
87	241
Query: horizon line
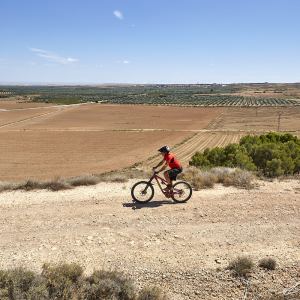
20	83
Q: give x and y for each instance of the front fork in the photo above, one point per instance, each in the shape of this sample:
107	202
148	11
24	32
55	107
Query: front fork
148	184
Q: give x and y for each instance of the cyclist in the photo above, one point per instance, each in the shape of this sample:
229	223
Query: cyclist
173	163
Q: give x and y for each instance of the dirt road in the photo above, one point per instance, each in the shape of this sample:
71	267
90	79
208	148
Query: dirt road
177	246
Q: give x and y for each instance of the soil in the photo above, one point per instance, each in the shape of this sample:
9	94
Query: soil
183	248
35	155
63	141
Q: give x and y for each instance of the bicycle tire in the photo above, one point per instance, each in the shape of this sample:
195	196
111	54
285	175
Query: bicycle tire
189	194
134	190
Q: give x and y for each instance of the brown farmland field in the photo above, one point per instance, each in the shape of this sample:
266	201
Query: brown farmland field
127	117
44	155
46	142
82	139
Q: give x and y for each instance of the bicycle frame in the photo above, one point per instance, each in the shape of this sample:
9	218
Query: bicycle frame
161	181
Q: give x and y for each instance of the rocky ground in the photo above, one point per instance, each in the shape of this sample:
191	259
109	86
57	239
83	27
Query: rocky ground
184	248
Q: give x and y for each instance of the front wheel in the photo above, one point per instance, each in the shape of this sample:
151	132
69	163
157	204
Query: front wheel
142	192
182	192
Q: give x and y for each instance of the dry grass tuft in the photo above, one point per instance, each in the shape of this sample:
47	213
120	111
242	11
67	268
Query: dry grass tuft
113	177
152	293
55	185
29	185
83	180
267	263
7	186
241	266
124	175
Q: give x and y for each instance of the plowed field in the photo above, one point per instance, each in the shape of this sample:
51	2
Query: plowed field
198	142
46	142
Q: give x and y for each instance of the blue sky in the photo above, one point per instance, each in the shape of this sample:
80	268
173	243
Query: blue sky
149	41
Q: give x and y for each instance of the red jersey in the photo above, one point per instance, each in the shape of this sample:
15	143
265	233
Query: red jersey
172	161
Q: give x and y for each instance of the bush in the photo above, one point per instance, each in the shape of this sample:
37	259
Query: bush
267	263
199	179
15	283
66	281
239	178
62	280
241	266
272	154
228	176
109	285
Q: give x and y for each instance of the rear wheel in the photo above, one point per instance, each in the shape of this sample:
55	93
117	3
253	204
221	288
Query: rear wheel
142	192
182	192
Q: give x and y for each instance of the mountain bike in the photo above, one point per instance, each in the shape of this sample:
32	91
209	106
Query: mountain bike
143	191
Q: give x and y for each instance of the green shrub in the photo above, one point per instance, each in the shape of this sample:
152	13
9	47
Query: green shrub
274	168
272	154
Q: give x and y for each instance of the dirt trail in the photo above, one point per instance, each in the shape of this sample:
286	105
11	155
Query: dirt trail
177	246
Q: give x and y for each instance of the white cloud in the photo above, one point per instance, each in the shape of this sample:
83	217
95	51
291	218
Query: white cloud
118	14
125	61
53	57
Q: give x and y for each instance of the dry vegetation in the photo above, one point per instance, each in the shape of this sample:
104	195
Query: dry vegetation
67	281
227	176
198	178
268	263
58	184
241	266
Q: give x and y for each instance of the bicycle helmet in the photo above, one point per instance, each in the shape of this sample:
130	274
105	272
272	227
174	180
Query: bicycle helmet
164	149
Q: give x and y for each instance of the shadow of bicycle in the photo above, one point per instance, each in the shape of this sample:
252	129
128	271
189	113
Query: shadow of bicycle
151	204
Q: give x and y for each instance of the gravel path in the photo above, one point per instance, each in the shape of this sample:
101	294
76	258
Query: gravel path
177	246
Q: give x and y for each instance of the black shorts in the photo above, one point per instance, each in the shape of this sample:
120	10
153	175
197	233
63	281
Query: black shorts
173	173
